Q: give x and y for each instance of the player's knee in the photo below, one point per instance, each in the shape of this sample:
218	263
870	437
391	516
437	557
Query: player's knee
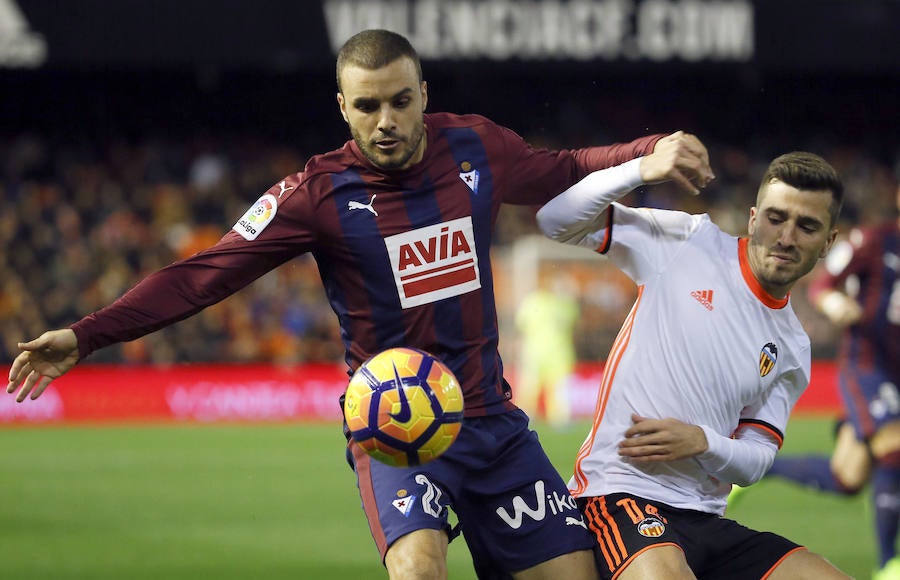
409	565
851	484
418	556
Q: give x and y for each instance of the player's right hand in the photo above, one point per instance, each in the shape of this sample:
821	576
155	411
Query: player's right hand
42	360
680	157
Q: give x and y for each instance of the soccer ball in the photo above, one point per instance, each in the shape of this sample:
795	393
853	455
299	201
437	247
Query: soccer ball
404	407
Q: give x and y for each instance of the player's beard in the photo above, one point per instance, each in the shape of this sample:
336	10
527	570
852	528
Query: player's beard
399	158
772	273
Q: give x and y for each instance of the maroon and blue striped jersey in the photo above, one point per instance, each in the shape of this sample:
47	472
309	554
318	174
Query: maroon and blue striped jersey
404	256
870	262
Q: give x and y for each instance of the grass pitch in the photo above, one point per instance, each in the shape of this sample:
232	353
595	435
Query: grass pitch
277	501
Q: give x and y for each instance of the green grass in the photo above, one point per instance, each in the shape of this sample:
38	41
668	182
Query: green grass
273	501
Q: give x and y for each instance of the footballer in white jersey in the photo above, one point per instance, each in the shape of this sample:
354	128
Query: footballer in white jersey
701	380
731	356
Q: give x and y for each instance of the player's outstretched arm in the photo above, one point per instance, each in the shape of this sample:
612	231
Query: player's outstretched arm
42	360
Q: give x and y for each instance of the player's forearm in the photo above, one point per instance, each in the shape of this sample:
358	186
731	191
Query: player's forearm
577	212
592	159
163	298
742	461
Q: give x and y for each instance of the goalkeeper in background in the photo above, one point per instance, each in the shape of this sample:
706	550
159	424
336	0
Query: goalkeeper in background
546	322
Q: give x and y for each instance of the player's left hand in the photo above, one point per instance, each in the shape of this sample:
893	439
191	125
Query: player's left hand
649	440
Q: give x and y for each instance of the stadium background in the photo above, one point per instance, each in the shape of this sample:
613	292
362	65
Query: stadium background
134	133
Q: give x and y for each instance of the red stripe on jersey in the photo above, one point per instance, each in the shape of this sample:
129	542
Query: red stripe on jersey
363	464
438	282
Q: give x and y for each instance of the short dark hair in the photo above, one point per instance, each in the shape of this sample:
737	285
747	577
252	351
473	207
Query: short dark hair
373	49
809	172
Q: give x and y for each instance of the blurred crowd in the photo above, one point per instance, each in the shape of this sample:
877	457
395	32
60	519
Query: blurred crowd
81	223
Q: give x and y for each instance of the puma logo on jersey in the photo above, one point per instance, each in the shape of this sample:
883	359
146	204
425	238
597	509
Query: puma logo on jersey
366	206
704	297
284	188
434	262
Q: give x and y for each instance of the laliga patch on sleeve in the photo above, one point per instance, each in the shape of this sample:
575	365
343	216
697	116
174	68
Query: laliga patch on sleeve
257	217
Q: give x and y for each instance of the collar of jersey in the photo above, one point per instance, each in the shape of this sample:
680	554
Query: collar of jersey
753	283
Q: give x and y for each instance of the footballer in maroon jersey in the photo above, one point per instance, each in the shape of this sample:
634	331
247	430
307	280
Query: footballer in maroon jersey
400	221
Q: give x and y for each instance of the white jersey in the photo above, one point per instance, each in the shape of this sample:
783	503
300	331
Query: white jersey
703	343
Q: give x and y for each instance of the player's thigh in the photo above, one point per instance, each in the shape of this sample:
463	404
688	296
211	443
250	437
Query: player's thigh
628	529
851	462
419	554
578	565
806	565
658	562
886	439
515	509
400	501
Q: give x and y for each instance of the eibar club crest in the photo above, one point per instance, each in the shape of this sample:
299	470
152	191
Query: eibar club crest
469	175
768	356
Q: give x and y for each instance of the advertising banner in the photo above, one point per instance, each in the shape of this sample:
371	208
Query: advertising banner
258	393
289	35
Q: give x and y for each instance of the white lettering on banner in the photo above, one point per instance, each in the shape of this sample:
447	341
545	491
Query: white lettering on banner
434	262
253	400
19	45
49	407
655	30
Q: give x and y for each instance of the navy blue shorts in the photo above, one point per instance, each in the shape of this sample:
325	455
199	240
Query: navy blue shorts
715	548
512	505
871	399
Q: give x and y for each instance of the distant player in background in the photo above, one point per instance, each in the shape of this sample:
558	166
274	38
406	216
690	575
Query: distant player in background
546	321
859	289
700	383
400	222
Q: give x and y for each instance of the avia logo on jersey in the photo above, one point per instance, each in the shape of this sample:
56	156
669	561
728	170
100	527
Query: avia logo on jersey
704	297
651	527
558	504
768	356
434	262
257	217
469	175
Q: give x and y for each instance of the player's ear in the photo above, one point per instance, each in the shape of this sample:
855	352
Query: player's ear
342	105
832	236
751	224
424	89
